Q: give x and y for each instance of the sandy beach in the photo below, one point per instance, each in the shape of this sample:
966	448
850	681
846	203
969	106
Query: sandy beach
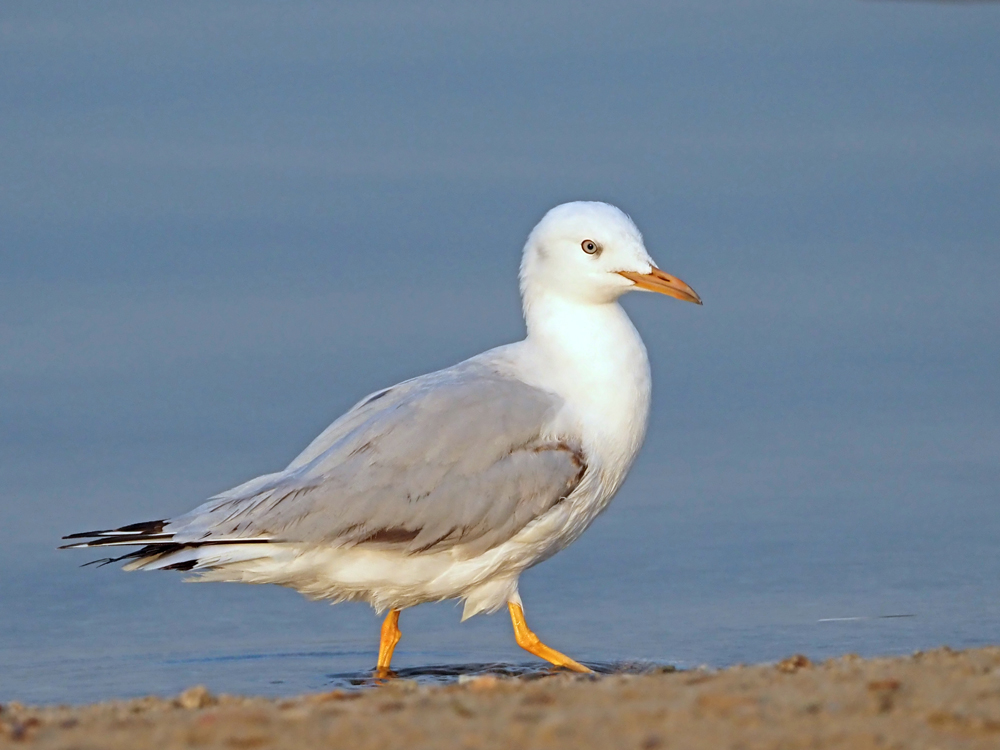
933	699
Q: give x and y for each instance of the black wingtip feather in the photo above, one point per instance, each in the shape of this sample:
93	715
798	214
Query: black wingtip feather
137	530
147	551
102	561
186	565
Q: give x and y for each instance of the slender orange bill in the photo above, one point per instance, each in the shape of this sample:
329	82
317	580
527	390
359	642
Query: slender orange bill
658	281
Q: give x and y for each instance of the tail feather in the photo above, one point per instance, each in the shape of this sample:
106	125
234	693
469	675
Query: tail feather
196	557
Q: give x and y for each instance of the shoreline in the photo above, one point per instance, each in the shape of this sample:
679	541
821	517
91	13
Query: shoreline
940	698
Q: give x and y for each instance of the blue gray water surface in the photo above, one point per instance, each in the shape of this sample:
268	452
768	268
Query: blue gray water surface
223	224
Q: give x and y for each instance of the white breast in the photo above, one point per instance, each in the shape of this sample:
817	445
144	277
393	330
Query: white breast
591	356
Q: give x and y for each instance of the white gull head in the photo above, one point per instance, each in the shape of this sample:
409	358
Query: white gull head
591	253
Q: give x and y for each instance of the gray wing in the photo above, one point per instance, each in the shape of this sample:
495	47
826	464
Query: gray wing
464	456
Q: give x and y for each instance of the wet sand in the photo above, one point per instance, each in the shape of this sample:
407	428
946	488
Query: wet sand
936	699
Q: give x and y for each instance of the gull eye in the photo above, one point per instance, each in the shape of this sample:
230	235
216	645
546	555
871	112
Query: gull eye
590	247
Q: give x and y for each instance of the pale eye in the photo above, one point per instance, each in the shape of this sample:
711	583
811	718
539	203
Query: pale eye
590	247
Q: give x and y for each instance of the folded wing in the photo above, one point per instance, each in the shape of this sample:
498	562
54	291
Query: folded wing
465	457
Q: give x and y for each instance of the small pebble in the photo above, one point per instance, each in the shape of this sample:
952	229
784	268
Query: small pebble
195	697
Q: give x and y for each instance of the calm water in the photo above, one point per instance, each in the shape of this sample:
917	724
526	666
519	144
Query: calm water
223	226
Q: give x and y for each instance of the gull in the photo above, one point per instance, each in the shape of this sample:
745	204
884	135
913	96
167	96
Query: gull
451	484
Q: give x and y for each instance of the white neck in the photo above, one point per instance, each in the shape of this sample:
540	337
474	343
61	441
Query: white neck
592	356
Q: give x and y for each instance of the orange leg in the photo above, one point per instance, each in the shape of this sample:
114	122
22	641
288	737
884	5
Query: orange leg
390	637
529	642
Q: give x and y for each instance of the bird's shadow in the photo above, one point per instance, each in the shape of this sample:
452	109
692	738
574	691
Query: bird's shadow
442	674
